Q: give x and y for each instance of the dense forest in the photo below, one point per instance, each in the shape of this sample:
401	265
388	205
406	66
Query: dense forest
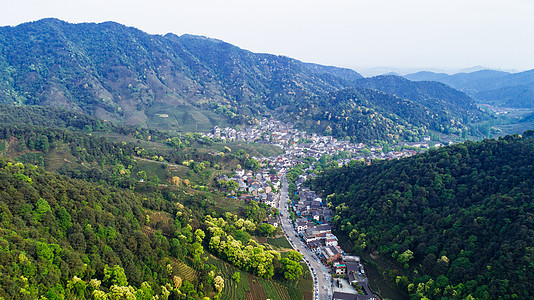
66	238
62	237
126	214
182	83
373	116
61	118
458	219
439	98
516	96
128	70
52	117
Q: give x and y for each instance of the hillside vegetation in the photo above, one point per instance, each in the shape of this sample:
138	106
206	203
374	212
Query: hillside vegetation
117	72
81	147
453	105
62	237
125	221
369	115
191	83
459	219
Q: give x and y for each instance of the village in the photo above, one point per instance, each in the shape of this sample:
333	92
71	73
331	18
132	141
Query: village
309	213
299	144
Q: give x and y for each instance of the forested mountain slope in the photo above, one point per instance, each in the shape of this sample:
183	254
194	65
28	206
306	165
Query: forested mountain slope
58	234
179	83
459	218
85	147
470	83
70	239
135	225
115	71
369	115
436	96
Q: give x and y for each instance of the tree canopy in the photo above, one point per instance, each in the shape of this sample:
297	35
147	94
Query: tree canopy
459	217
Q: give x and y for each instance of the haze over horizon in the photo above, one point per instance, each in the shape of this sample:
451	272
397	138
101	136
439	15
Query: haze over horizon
402	37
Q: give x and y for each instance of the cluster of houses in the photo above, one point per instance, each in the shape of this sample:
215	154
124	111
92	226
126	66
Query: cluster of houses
351	268
260	186
300	144
317	234
266	131
313	217
313	224
314	228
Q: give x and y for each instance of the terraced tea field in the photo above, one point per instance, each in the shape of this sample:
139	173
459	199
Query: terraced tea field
253	288
184	271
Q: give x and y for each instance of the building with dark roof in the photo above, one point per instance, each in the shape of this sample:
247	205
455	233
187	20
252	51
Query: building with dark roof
353	271
324	228
332	253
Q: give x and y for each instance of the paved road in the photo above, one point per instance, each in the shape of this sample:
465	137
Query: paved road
322	281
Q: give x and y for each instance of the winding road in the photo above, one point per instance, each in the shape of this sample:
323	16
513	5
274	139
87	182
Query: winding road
322	280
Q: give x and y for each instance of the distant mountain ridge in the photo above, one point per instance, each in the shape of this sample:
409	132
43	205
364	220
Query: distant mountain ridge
488	86
343	73
432	94
103	67
122	74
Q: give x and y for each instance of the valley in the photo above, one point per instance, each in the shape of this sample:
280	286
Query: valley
148	166
304	216
192	83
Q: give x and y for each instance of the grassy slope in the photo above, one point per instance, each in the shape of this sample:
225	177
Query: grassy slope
183	118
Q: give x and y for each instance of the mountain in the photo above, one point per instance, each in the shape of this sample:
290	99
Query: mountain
521	96
176	83
363	114
488	86
514	90
458	220
346	74
65	238
84	147
116	72
471	69
474	81
426	76
438	97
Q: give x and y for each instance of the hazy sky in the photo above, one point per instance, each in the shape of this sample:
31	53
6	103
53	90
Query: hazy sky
449	34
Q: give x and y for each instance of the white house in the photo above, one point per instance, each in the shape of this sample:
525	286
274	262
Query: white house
331	240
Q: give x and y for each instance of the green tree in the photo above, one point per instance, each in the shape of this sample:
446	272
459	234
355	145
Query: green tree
41	208
266	229
64	219
232	185
291	268
236	277
199	235
114	276
142	175
252	164
404	257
